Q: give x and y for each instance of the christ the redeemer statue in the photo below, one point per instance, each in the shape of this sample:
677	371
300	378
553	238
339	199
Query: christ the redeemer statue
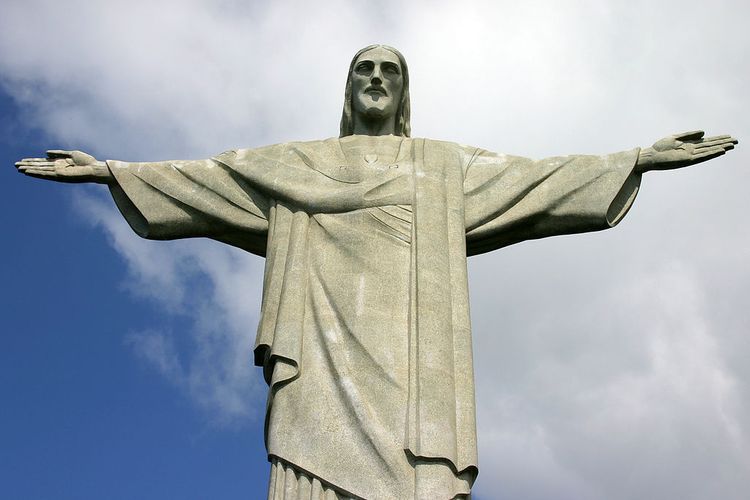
364	336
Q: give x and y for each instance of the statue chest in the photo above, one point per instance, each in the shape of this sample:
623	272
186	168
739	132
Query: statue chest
364	158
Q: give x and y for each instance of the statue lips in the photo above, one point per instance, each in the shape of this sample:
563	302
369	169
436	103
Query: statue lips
374	89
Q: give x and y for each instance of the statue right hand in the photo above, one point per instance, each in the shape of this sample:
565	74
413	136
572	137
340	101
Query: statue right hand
66	166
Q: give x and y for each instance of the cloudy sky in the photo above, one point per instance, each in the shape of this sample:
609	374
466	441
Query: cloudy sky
609	366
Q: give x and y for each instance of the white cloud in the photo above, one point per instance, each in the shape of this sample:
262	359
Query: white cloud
217	291
158	349
619	369
617	399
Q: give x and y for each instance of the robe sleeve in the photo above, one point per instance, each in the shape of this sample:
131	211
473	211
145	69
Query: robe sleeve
511	199
183	199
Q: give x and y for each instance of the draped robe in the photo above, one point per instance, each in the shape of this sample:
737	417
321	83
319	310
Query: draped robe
364	336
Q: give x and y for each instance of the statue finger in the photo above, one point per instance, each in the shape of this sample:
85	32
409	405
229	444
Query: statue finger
59	154
727	144
34	162
42	166
715	142
31	162
733	140
692	135
708	154
716	138
33	159
81	158
39	173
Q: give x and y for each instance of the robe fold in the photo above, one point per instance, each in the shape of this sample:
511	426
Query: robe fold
364	336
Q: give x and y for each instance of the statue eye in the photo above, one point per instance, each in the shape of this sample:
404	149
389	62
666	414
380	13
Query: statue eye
392	69
363	67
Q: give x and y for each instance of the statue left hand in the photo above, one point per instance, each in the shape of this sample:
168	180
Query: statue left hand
66	166
682	150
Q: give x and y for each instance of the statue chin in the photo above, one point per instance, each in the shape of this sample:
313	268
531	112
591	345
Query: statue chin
372	109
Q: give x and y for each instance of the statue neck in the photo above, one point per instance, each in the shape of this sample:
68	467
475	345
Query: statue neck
364	125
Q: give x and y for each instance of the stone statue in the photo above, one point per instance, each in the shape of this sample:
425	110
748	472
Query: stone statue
364	336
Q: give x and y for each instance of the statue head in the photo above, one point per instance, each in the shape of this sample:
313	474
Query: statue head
377	88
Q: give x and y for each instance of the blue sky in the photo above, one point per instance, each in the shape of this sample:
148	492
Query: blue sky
610	365
81	418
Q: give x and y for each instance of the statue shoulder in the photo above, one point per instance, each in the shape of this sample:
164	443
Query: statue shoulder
276	150
463	148
467	153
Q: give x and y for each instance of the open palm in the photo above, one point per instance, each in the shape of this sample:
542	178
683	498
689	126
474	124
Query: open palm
66	166
682	150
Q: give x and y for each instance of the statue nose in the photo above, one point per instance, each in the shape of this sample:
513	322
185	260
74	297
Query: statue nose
376	80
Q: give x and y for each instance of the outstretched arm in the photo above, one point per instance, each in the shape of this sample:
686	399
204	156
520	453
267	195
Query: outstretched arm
169	199
682	150
67	166
510	199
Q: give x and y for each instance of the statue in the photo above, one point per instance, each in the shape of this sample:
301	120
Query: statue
364	336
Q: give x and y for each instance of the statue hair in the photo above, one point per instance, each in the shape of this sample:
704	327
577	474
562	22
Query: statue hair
403	113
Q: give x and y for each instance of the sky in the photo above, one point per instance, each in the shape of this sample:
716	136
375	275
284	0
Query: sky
609	365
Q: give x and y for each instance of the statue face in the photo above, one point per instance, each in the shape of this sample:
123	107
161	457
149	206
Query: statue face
377	84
